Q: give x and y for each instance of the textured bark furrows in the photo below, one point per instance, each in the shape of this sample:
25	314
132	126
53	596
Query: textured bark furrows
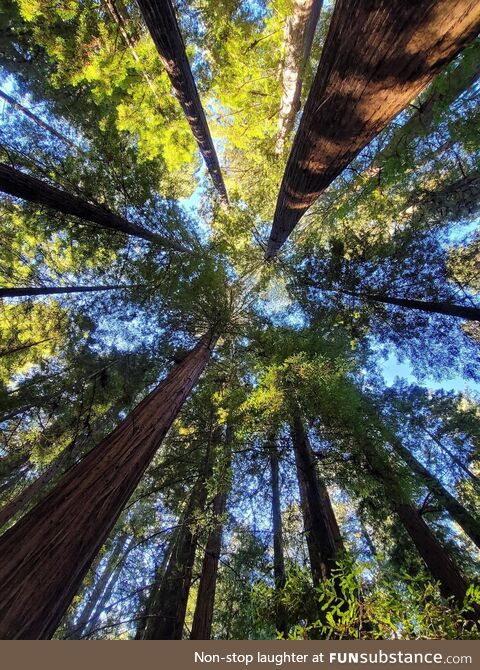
50	290
159	15
22	185
377	57
297	42
44	557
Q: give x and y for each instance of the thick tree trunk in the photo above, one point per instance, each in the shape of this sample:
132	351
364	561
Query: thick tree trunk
50	290
22	185
204	606
377	57
439	563
279	575
323	537
161	21
297	42
465	520
45	556
33	117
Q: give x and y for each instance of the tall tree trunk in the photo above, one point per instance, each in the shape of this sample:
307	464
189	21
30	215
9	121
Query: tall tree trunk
22	185
297	42
166	614
465	520
25	497
204	606
454	458
377	57
439	563
45	556
33	117
51	290
323	537
22	347
85	620
460	311
161	21
279	575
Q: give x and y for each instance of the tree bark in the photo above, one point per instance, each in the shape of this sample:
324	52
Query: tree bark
457	511
51	290
159	15
436	558
204	606
323	536
33	117
297	40
45	556
21	185
377	57
279	574
448	308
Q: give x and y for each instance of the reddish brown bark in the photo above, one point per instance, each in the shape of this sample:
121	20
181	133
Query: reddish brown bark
161	21
377	57
22	185
45	556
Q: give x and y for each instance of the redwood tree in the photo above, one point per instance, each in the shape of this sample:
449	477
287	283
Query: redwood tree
45	556
377	57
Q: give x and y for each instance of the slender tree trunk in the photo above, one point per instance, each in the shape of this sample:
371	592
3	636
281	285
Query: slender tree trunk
162	24
25	497
119	18
22	347
465	520
454	458
439	563
166	615
460	311
50	290
377	57
204	606
320	524
33	117
85	619
297	41
45	556
279	574
22	185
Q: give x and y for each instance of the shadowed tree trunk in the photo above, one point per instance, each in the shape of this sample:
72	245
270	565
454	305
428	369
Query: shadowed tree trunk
45	556
50	290
450	453
162	24
323	536
457	511
166	613
204	606
279	575
22	347
22	185
436	558
377	57
33	117
297	42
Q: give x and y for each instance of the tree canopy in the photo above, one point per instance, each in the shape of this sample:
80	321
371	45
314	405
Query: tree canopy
222	415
